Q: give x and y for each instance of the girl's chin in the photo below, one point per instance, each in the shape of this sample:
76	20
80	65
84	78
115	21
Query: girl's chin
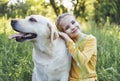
76	32
75	35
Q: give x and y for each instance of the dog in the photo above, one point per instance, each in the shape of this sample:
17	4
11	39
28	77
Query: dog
51	58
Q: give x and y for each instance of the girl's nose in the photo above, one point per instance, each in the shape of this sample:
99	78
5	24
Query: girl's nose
72	27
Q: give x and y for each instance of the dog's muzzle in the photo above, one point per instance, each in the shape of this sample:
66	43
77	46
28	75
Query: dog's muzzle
21	36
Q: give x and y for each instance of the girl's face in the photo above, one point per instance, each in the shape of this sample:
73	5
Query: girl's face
70	26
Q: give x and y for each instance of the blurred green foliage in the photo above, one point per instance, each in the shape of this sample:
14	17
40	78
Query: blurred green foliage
107	8
16	58
108	44
84	10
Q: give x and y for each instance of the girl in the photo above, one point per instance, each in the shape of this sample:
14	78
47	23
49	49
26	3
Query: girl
83	48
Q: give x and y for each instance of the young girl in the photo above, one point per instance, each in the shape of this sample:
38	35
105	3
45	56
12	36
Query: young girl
83	48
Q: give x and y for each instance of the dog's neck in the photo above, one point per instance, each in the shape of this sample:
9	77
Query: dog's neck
44	46
48	50
43	50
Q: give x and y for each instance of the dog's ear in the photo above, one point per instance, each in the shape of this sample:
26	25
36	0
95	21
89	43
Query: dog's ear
53	32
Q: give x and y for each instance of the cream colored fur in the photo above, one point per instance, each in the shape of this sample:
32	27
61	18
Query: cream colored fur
50	56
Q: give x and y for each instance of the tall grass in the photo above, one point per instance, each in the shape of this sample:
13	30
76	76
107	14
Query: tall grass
16	58
108	60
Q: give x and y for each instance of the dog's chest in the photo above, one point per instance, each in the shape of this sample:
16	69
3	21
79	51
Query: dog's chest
51	62
53	70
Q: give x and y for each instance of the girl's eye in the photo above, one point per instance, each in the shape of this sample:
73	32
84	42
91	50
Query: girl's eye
67	27
73	22
32	19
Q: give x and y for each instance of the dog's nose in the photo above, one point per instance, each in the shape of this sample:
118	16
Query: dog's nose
13	22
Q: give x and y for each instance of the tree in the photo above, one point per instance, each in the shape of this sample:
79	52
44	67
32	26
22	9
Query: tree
107	9
3	7
83	9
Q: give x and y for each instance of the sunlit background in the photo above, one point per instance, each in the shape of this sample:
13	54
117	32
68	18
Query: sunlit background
98	17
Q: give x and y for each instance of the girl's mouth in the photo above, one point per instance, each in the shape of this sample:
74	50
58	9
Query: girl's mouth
75	30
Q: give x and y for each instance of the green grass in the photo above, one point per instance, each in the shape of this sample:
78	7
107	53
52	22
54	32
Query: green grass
16	58
108	60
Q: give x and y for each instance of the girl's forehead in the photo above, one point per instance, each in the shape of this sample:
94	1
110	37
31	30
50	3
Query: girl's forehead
67	19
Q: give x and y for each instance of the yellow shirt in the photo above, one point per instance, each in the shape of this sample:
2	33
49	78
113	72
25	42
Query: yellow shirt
83	67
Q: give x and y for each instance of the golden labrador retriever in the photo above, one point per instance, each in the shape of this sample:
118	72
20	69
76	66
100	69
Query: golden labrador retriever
50	55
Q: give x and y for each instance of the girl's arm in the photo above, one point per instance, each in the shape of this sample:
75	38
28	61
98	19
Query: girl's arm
85	55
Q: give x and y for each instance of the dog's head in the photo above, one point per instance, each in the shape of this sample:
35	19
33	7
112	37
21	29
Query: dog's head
34	27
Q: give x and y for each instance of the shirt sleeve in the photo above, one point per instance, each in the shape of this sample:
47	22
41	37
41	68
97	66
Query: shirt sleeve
85	55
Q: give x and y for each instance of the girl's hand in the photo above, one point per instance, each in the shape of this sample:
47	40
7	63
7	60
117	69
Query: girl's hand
64	36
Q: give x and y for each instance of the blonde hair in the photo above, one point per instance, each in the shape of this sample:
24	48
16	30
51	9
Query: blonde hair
58	20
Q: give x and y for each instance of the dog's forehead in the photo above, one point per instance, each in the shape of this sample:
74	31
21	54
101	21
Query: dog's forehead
39	18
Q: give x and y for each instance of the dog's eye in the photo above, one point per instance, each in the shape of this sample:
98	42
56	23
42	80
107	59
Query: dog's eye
33	19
